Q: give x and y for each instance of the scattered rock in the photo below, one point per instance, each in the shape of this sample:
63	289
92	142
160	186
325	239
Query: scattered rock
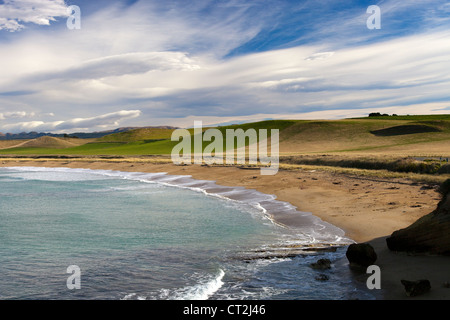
416	288
321	264
361	254
446	284
322	277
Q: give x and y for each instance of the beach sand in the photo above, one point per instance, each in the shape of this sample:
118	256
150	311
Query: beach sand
367	209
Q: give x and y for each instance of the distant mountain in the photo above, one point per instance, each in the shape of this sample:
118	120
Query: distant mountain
81	135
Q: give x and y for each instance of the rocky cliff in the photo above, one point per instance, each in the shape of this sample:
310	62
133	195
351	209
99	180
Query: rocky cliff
429	234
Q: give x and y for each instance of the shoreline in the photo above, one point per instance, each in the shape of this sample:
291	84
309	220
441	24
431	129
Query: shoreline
363	208
367	210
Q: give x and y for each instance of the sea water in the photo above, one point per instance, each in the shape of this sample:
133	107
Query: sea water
155	236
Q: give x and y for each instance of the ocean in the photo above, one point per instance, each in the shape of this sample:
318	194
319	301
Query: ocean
153	236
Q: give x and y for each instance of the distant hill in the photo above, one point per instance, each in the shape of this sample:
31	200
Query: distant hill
48	142
81	135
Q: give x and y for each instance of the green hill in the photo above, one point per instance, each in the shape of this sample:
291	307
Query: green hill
141	134
402	135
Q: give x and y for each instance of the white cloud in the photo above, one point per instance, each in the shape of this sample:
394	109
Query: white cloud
168	61
14	13
16	114
123	64
105	121
320	56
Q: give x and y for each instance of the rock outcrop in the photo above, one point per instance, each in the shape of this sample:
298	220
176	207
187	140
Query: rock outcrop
430	234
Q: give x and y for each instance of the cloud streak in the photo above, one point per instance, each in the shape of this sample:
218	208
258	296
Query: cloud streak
14	14
97	122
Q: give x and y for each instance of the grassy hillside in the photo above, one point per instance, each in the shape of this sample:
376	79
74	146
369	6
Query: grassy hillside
366	136
144	134
408	135
49	142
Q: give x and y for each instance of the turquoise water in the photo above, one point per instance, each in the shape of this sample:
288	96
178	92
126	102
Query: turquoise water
150	236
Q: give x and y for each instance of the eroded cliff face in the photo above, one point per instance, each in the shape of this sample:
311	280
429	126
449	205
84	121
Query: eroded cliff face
430	234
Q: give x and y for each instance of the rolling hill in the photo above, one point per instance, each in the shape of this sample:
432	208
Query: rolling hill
408	135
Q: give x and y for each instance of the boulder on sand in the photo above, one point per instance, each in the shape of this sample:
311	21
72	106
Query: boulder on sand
361	254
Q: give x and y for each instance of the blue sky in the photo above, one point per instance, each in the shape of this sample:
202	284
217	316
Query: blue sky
138	63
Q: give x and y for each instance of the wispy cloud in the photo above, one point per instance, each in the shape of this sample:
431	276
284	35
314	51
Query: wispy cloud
97	122
224	59
16	114
14	14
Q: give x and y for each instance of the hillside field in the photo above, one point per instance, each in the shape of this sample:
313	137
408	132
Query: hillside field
421	136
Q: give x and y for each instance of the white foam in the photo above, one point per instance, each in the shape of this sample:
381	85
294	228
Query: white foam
202	290
133	296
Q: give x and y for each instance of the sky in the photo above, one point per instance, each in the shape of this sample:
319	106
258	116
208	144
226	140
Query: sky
173	62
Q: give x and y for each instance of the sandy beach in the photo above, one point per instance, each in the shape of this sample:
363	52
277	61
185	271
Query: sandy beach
367	209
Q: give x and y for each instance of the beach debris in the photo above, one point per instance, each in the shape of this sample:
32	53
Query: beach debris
321	264
416	288
361	254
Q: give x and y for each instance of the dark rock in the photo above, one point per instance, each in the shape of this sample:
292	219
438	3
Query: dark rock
322	277
429	234
416	288
361	254
321	264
